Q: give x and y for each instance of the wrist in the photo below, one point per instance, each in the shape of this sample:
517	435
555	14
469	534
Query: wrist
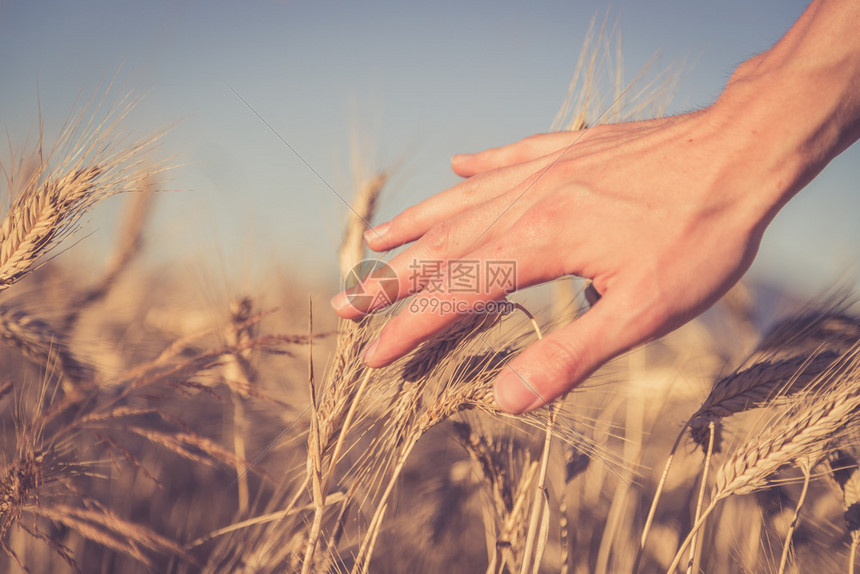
798	102
783	121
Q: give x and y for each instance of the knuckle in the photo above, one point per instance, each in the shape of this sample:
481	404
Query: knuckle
440	239
527	147
534	224
406	218
565	357
469	188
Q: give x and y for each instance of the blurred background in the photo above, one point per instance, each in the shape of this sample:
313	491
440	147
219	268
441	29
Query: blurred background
411	82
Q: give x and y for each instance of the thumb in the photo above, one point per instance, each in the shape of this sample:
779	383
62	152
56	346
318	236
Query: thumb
552	366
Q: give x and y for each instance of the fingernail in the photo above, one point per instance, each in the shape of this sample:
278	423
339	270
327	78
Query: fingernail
460	157
340	301
515	394
376	232
369	353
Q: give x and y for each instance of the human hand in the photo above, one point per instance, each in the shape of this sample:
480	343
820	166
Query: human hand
664	216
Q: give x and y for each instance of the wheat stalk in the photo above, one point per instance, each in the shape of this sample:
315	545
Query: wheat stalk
91	167
470	387
495	465
707	465
753	387
240	370
790	355
432	353
813	422
809	422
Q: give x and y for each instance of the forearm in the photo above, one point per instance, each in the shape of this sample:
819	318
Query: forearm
797	106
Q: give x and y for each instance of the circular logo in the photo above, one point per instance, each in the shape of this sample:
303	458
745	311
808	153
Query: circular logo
370	285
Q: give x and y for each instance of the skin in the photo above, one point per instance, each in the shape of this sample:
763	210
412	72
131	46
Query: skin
664	215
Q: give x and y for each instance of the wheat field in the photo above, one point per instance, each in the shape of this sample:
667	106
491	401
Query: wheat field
144	431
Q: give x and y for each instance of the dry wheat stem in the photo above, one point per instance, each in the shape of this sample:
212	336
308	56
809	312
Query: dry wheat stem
543	534
540	506
333	498
705	469
339	527
790	534
677	560
363	558
852	555
238	368
399	420
504	552
335	456
314	456
656	499
366	566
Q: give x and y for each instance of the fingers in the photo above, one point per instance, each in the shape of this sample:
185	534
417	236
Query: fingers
496	171
512	227
432	310
525	150
427	260
417	220
425	316
552	366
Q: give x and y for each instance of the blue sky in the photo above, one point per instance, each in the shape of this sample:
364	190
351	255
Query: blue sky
421	81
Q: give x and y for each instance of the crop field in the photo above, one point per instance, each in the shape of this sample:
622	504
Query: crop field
147	429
